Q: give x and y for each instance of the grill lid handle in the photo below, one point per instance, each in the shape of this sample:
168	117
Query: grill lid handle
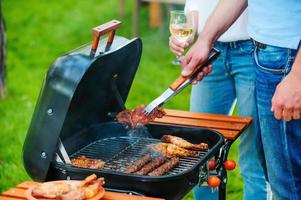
109	27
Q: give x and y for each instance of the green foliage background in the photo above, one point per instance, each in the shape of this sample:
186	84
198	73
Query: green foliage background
39	31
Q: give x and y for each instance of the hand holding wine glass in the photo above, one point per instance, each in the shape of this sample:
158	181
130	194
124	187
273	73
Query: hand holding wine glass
182	29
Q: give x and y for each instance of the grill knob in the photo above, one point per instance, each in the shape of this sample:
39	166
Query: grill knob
43	155
50	111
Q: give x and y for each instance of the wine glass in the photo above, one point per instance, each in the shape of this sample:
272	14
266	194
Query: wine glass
181	27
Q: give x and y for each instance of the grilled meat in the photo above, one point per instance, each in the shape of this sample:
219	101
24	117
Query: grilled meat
84	162
51	190
89	188
135	117
180	142
166	167
77	194
65	190
138	164
151	165
171	150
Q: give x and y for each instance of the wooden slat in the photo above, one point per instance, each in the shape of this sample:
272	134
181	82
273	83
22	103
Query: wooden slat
202	122
207	116
230	126
15	192
9	198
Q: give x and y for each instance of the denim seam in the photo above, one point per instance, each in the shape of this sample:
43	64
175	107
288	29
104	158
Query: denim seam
289	164
286	69
278	71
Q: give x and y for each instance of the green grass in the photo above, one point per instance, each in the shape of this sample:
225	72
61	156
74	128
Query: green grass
40	31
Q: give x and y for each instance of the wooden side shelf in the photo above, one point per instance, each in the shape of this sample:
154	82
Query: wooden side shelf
18	193
230	126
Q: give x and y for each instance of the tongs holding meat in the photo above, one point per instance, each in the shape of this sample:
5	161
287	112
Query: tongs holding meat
179	84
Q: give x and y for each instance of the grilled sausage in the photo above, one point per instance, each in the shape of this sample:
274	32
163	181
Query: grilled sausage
138	164
151	166
166	167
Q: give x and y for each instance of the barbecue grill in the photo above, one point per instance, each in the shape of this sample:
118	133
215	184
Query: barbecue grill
75	115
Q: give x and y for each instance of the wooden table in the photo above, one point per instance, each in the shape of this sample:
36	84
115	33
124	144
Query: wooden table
18	193
230	126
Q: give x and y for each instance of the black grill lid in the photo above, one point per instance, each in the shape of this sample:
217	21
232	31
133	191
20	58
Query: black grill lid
78	91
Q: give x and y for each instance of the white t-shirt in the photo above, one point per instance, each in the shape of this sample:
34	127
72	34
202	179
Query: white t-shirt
238	31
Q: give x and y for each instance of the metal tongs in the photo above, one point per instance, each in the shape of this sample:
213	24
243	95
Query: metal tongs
179	84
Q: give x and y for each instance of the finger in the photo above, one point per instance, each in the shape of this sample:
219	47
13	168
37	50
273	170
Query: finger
194	82
189	67
178	43
287	114
186	59
205	70
210	68
199	76
296	114
277	112
175	48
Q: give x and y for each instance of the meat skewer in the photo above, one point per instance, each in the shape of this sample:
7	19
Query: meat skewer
171	150
138	164
180	142
166	167
151	165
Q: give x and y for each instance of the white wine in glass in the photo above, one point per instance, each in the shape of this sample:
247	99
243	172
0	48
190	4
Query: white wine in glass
181	32
180	27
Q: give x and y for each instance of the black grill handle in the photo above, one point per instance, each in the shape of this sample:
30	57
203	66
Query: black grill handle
97	32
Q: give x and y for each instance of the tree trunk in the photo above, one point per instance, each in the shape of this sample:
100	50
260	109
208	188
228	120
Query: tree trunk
2	55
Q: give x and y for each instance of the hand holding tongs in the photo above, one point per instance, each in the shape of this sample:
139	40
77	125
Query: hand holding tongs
179	84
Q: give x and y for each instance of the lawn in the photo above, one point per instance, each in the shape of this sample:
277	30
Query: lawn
40	31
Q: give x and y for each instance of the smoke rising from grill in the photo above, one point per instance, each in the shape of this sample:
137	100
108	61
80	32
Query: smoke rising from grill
139	131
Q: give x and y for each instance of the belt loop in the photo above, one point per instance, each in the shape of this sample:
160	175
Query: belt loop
259	44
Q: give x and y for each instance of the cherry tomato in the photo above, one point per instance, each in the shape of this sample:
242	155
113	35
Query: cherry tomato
211	164
214	181
230	164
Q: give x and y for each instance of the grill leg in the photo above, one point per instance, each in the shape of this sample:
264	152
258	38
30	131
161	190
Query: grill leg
222	191
222	172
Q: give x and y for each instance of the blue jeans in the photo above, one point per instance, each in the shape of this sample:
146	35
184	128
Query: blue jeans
281	141
233	76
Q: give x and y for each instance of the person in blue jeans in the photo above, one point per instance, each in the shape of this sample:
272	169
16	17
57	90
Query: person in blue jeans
275	29
232	77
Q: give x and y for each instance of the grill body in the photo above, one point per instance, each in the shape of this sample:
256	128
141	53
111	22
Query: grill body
118	151
77	104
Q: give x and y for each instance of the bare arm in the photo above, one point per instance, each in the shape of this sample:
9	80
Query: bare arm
286	102
224	15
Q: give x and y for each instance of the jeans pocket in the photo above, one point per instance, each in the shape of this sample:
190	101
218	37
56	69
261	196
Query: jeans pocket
272	59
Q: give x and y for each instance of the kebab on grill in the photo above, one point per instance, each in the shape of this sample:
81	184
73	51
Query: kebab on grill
172	150
136	116
166	167
180	142
84	162
138	164
151	165
69	190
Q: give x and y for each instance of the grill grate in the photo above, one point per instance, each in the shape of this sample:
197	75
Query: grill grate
119	152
